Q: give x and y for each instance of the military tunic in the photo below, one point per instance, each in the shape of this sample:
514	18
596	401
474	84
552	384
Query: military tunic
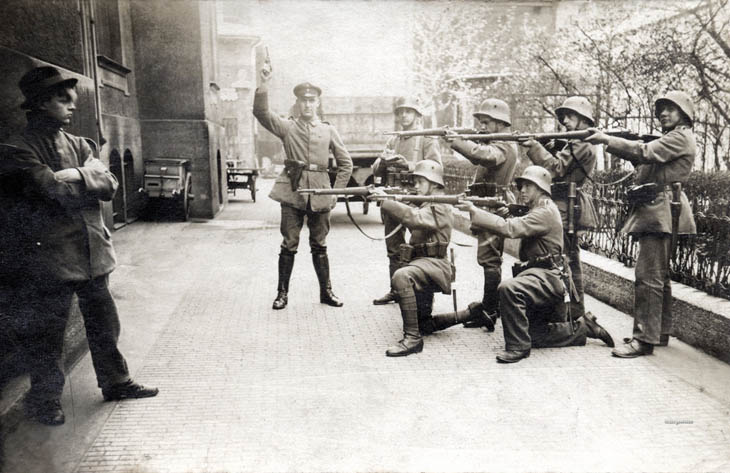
530	302
664	161
308	142
428	223
574	163
496	163
413	149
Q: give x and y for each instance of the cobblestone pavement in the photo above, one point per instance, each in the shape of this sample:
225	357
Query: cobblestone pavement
308	388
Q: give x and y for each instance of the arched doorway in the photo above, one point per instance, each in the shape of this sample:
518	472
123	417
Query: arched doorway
123	170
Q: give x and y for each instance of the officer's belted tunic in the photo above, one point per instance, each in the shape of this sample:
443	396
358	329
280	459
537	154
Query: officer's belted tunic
309	144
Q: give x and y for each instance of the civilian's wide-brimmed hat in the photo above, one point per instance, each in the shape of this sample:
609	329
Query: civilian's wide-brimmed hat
305	89
38	80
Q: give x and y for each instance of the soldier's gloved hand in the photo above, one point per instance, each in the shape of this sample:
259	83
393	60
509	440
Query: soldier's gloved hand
466	206
597	137
397	160
528	143
376	193
502	211
450	135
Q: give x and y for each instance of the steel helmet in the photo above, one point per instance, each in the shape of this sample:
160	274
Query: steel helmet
681	100
538	175
495	109
579	105
408	102
430	170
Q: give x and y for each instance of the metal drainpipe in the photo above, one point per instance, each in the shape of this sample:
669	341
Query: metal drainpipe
95	70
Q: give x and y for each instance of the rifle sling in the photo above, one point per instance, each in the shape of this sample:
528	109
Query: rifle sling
352	219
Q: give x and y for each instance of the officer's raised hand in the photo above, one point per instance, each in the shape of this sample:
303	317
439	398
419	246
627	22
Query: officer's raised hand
266	73
597	137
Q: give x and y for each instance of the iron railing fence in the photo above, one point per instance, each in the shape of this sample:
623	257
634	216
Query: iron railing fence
701	261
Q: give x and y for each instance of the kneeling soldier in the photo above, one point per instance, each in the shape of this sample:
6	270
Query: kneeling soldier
532	302
425	267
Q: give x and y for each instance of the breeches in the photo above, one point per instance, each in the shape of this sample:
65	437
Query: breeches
292	221
393	243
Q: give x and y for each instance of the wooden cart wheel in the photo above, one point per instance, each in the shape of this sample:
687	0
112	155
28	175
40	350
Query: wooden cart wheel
186	197
253	188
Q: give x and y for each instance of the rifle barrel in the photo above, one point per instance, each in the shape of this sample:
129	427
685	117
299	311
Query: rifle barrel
443	131
354	191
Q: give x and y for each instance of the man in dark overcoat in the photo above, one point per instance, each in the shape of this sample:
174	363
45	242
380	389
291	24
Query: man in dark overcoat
57	245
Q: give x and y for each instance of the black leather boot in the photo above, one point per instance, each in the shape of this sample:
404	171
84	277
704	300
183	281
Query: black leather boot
391	296
473	314
412	341
490	300
322	268
286	263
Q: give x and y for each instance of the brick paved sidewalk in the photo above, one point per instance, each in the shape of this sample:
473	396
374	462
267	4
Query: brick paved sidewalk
246	388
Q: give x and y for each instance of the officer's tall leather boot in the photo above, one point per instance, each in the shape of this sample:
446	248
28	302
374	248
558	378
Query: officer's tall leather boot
322	268
475	312
391	296
412	341
490	300
286	263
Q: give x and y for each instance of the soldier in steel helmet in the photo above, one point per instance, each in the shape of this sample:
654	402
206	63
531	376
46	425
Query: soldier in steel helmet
575	162
658	164
425	268
307	143
496	162
403	151
531	302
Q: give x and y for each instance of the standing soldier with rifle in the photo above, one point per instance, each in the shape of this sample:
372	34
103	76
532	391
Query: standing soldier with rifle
307	143
532	301
402	152
425	267
496	162
656	218
570	168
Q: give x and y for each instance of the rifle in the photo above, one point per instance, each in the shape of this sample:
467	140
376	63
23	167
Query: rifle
363	191
397	194
489	203
558	135
442	131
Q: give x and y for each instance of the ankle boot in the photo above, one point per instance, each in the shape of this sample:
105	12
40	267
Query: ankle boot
412	341
286	263
322	268
473	314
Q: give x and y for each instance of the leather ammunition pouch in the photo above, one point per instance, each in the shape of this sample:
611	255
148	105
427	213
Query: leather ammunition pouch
545	262
643	193
408	252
